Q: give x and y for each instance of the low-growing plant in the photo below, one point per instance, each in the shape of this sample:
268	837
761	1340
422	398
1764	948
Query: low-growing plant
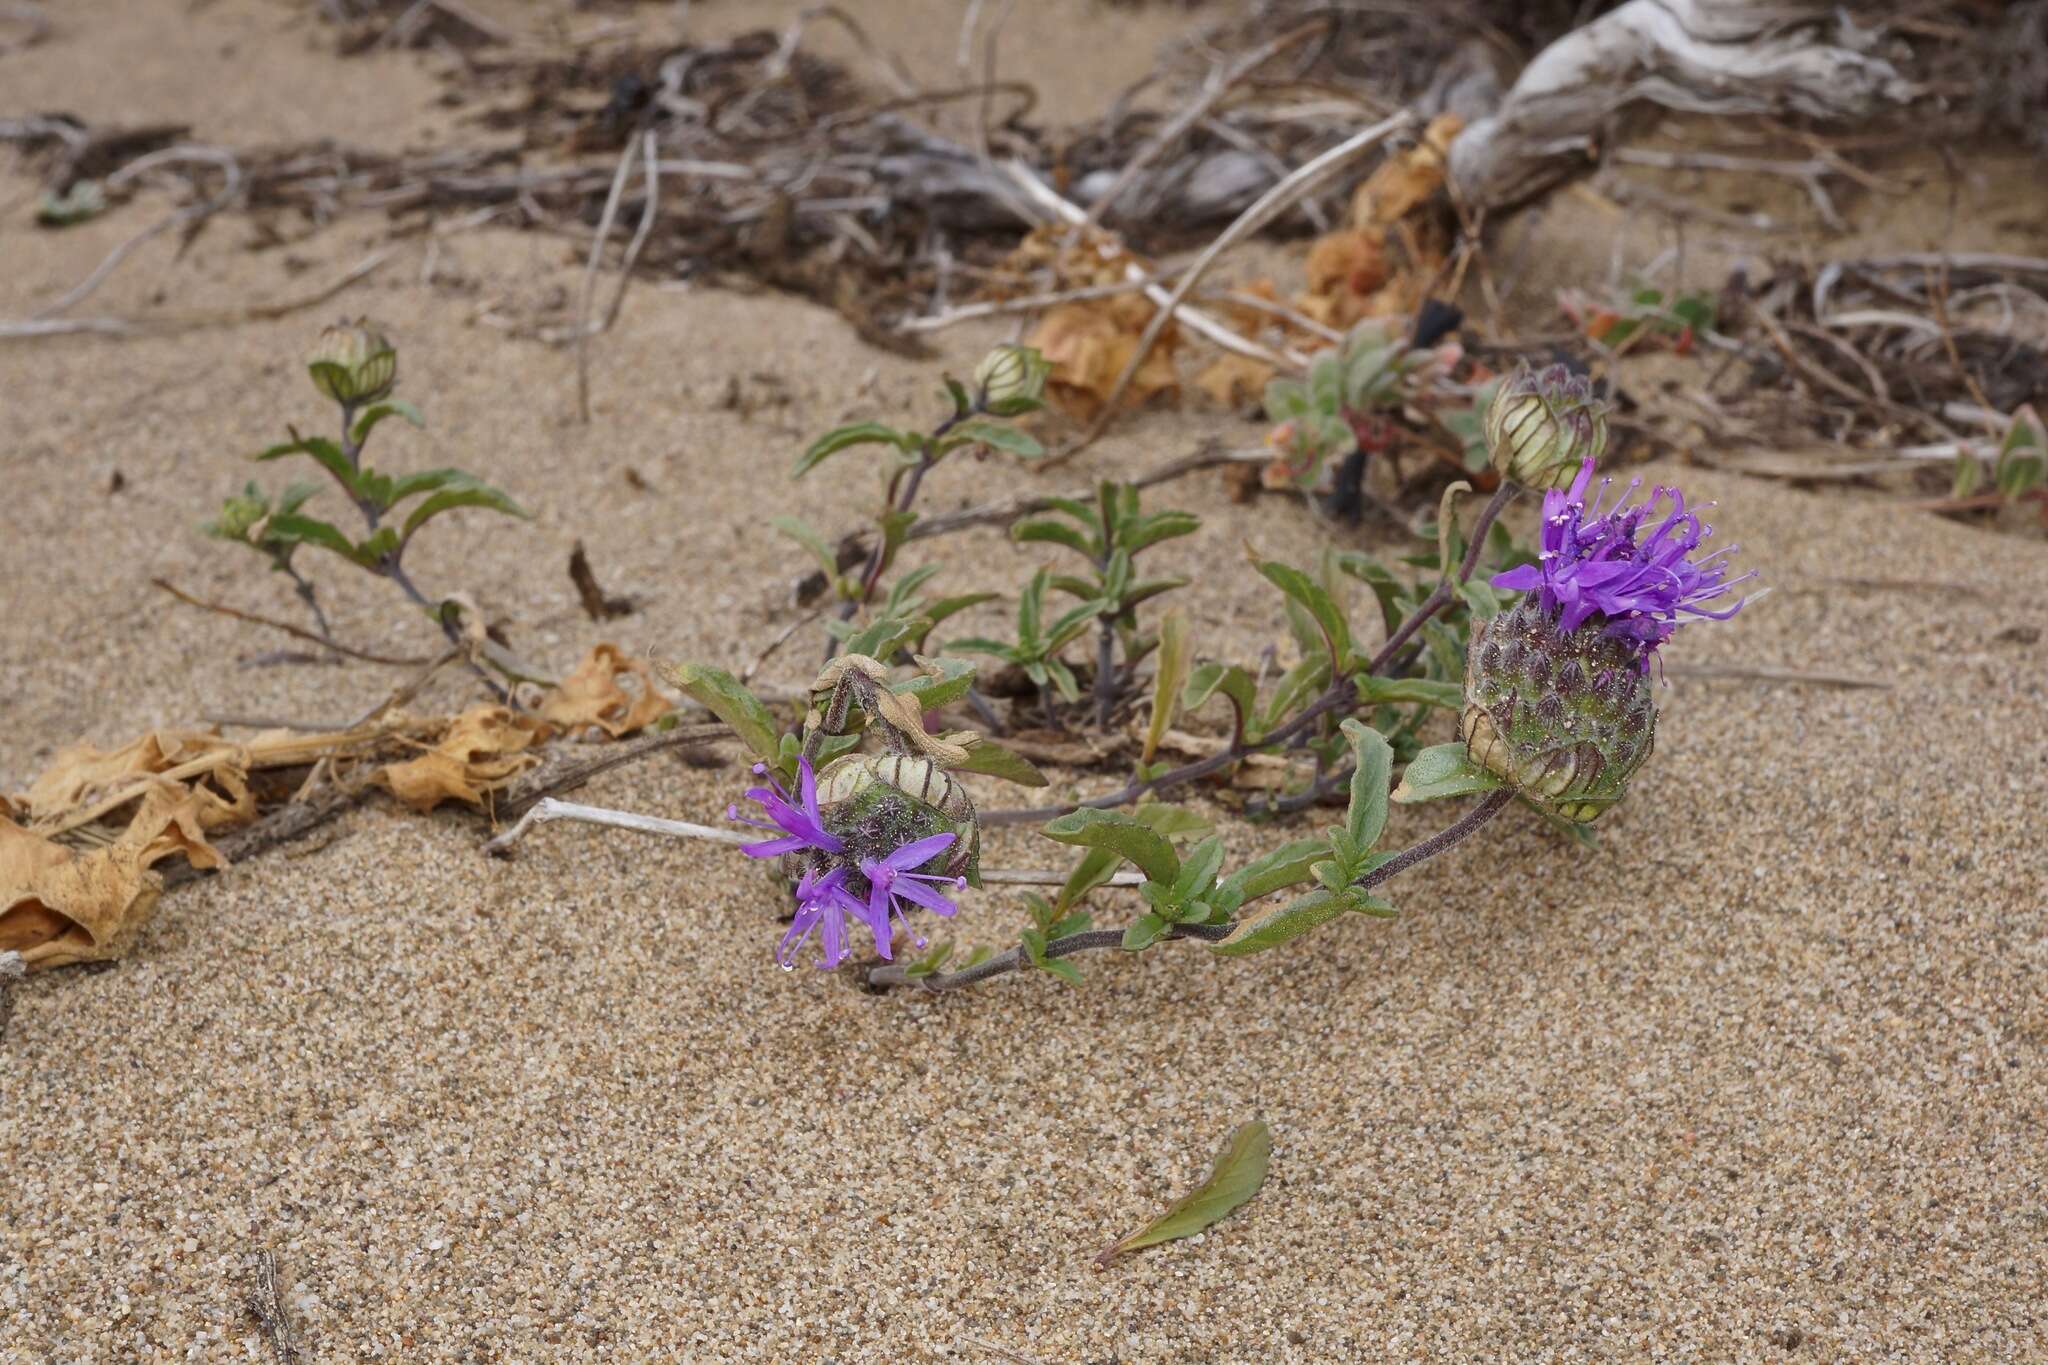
355	367
1009	383
1546	663
1109	535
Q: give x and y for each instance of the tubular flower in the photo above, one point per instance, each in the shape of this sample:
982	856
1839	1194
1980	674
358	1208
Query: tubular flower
1593	565
894	880
823	907
1557	690
796	817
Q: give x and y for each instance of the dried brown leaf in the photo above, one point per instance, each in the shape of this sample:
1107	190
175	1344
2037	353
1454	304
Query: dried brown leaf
592	695
1089	342
1236	382
483	750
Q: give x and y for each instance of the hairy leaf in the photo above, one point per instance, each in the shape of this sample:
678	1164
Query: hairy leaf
1126	836
1441	771
1280	924
731	702
469	492
1368	813
1176	650
1239	1171
844	438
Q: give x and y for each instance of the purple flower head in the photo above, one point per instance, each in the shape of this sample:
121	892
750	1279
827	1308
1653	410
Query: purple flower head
1593	564
891	883
824	906
797	818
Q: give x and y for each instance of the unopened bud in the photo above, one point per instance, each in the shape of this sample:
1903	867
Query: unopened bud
353	362
1542	425
1011	377
1564	718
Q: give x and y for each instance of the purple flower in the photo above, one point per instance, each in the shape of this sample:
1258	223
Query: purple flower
1592	564
891	882
799	821
824	906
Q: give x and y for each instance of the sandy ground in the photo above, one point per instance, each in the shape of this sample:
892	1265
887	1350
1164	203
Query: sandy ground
1762	1076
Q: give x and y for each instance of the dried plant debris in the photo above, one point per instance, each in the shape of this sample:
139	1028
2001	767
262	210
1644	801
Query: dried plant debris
81	849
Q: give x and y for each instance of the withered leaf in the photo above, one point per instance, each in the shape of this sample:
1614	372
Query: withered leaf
1090	341
592	695
483	750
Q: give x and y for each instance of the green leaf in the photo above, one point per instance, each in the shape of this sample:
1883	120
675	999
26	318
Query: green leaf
1000	435
1144	931
320	448
1233	682
1094	870
955	678
845	438
1070	625
1176	650
1301	588
1175	822
1287	865
1294	688
798	530
294	497
426	481
1198	871
1280	924
1127	837
1148	531
1386	589
1449	695
1062	678
2022	456
469	493
377	412
993	760
1367	816
882	637
1239	1171
1054	530
981	644
1441	771
731	702
291	529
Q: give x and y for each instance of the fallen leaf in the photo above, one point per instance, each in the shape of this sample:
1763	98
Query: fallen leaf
483	750
59	906
592	695
1404	181
1089	342
1240	1170
1235	381
80	771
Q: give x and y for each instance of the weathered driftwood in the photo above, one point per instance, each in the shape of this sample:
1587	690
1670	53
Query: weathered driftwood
1699	56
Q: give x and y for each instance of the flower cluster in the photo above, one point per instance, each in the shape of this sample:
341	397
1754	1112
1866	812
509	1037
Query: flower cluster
1593	563
836	887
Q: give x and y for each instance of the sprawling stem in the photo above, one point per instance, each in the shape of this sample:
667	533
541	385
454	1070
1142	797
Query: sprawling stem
1340	696
892	975
896	501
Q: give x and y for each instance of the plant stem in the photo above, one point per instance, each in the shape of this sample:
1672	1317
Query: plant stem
871	573
881	977
304	588
1339	696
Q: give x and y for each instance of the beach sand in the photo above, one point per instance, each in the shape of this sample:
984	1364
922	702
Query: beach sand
1761	1076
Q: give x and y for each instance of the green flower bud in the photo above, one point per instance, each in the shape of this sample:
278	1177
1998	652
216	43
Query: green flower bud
1564	718
239	515
1011	378
1543	425
878	803
353	362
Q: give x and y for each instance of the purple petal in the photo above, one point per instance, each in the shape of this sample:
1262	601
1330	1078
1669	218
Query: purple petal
919	851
